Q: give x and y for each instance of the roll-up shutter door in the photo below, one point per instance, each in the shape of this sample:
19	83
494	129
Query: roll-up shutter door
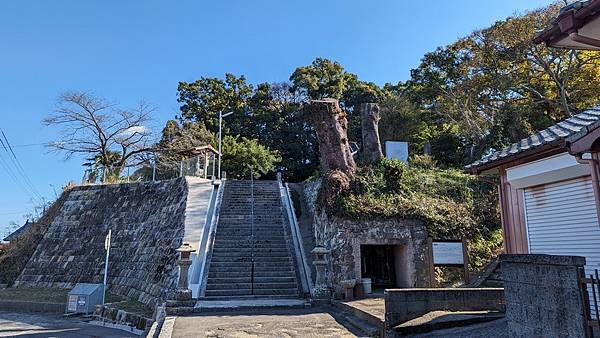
562	220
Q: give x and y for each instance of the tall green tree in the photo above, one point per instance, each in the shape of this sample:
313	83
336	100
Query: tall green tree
242	154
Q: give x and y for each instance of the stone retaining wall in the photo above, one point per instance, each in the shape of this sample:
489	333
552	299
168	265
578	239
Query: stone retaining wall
543	295
147	222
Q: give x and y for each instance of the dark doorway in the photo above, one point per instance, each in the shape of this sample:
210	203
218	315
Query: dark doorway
378	263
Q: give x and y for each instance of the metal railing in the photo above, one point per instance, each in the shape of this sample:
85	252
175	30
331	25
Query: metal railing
590	290
304	274
252	229
152	170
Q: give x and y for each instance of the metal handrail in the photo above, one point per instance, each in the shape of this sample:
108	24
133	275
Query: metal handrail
252	229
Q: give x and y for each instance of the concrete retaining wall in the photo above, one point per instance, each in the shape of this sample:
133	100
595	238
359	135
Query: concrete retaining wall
543	295
402	305
147	222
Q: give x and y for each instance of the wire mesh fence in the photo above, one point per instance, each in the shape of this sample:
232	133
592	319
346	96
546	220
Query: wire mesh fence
154	169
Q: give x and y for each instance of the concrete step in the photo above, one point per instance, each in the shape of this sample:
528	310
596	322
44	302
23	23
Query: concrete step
257	286
257	259
248	251
247	266
292	292
245	303
247	279
247	274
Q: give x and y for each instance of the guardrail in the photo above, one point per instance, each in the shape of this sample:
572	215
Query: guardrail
301	263
208	237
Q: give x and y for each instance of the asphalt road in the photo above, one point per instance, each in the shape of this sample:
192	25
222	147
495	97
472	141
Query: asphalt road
33	325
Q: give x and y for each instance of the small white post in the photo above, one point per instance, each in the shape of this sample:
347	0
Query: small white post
220	141
213	167
154	170
181	168
107	247
197	171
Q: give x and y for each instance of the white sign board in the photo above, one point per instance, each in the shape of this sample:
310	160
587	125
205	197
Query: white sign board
448	253
72	303
396	150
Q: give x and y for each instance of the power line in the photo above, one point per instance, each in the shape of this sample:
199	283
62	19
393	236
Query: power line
22	170
26	185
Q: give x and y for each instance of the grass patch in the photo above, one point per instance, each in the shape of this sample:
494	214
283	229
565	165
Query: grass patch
45	295
133	306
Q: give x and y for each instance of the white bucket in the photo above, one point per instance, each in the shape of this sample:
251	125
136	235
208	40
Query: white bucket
367	288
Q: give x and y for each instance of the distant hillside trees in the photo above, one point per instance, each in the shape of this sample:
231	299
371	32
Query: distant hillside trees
483	91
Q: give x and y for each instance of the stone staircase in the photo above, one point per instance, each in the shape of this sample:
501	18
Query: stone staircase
231	273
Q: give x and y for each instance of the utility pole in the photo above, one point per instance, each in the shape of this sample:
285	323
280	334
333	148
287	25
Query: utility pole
221	116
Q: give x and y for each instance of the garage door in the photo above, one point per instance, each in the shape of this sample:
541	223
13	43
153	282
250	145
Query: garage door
562	220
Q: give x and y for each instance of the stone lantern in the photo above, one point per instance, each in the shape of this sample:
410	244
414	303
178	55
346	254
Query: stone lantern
184	264
180	300
320	254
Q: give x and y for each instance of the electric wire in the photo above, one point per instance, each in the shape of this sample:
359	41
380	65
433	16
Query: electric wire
10	170
20	168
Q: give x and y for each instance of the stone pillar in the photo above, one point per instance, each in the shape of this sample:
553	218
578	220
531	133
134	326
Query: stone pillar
180	300
321	290
371	144
543	295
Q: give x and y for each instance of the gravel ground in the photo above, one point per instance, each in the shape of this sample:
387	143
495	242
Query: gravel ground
265	323
31	325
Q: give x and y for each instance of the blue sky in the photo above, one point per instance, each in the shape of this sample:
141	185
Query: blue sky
126	51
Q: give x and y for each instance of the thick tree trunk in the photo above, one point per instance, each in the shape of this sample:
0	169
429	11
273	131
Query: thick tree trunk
370	132
331	126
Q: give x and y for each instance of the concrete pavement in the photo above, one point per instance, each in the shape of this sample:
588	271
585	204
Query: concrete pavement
317	322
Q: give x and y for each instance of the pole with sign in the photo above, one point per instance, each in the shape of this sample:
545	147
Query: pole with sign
107	248
448	253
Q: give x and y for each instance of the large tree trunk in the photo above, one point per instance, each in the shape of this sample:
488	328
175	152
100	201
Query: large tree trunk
370	132
331	125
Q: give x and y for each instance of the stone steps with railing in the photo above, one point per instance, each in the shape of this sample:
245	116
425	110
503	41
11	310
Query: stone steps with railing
244	266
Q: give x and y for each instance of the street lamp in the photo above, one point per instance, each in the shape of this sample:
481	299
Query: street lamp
221	116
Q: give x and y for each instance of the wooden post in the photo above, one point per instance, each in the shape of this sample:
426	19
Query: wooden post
431	264
466	259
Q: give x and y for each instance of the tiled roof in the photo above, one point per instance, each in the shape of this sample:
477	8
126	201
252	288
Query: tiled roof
17	233
569	130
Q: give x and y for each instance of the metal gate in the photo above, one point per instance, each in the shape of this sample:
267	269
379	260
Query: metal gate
590	290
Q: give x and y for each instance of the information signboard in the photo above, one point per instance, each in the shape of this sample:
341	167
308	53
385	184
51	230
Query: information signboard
448	253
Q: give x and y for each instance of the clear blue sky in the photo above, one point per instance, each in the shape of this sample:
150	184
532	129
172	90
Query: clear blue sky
131	50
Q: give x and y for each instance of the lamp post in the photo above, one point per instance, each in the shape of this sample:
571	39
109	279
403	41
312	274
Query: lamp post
221	116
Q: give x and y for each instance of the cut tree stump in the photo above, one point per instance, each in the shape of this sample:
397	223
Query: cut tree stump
331	126
371	146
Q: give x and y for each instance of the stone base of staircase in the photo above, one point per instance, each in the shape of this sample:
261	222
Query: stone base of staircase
245	304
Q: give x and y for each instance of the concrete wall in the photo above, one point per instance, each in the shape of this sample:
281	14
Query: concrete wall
402	305
147	222
345	236
543	295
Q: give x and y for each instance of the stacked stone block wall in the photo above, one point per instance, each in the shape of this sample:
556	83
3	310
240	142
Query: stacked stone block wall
147	223
543	295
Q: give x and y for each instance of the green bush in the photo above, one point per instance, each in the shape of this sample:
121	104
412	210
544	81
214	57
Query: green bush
452	204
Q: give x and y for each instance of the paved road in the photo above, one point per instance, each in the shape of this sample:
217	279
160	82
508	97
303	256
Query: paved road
265	323
30	325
